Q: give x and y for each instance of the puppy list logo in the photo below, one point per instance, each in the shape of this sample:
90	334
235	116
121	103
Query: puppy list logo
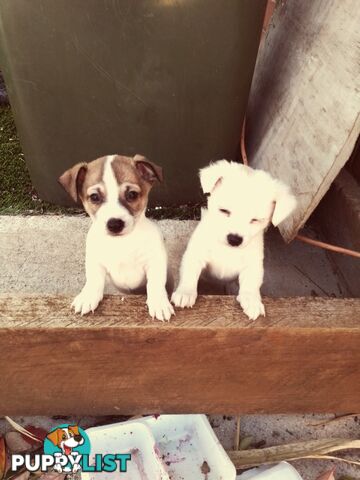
67	449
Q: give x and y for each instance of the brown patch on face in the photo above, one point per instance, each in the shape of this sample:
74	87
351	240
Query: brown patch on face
126	171
74	429
94	176
77	179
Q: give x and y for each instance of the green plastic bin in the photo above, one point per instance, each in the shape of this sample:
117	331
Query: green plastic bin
164	78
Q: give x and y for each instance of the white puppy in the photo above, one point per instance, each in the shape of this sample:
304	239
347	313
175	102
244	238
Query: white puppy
228	242
121	243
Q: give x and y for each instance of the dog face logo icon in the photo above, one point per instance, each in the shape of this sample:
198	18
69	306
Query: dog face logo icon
66	438
67	441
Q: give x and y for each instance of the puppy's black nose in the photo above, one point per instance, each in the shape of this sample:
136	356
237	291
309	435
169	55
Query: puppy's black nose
115	225
234	240
77	438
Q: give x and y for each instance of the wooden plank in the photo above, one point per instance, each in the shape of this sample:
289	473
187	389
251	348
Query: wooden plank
303	357
304	109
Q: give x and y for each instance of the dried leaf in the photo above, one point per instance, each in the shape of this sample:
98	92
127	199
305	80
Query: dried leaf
329	475
38	432
16	443
332	458
22	430
293	451
334	419
2	458
237	433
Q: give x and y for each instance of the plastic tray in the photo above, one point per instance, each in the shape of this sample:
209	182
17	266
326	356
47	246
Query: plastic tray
185	445
134	438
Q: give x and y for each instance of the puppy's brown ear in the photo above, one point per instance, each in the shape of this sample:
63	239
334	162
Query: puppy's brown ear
73	179
149	171
54	436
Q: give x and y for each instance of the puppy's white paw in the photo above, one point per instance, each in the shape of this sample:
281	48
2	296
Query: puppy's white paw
58	468
87	301
76	468
184	298
251	304
160	308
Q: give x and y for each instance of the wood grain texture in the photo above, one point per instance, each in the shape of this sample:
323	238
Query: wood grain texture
304	108
303	357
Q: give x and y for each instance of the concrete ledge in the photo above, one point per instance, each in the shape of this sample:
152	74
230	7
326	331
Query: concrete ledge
46	255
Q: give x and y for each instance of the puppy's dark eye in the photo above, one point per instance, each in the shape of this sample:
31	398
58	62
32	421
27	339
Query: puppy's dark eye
224	211
64	437
95	198
131	195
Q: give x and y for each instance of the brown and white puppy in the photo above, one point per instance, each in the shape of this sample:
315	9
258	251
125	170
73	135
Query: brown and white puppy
121	243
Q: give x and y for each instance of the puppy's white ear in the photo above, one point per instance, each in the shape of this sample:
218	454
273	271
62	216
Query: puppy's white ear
285	203
211	176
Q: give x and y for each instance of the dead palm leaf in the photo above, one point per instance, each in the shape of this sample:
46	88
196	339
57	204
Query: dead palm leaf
318	449
23	430
334	419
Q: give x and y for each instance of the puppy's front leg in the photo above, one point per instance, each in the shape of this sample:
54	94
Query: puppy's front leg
190	270
157	298
93	291
250	281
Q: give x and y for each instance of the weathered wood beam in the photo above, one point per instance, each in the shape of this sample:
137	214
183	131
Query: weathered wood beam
303	357
304	109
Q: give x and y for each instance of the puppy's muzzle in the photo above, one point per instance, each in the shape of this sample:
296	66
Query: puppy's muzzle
234	240
115	225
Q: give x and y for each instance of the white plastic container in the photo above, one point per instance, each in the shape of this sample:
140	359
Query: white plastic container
185	446
134	438
191	449
282	471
